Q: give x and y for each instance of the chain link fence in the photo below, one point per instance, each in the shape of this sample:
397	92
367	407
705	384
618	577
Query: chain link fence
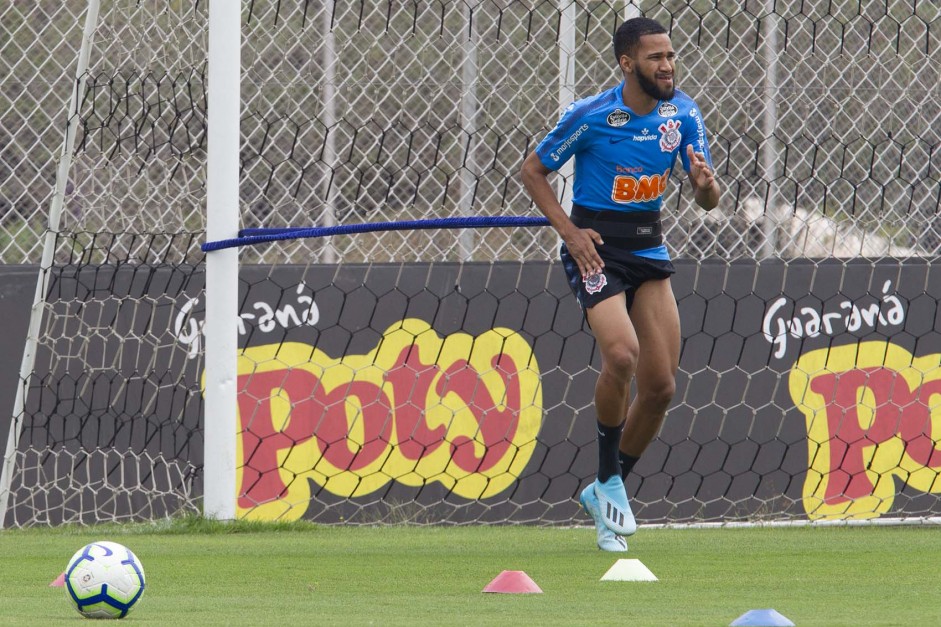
823	120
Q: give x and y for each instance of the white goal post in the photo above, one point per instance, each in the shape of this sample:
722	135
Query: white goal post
222	222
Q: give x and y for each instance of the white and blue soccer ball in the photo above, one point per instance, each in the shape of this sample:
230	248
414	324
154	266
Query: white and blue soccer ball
104	580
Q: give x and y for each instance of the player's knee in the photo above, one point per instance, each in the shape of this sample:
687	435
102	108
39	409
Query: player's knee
620	361
658	392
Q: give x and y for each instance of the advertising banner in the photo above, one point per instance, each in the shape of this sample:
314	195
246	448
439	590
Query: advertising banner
809	390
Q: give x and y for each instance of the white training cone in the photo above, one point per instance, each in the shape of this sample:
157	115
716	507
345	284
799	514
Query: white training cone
762	618
629	570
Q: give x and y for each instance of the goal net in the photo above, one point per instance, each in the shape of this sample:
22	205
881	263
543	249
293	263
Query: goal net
446	376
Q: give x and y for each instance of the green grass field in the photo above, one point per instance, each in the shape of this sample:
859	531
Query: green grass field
202	573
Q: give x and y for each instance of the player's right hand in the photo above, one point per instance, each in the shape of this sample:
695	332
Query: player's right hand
581	245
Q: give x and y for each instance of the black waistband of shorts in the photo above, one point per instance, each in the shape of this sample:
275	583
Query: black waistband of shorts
631	230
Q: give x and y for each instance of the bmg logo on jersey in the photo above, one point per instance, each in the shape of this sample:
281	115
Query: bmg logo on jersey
639	189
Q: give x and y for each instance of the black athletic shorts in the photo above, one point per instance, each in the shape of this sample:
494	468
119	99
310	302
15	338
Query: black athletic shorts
623	270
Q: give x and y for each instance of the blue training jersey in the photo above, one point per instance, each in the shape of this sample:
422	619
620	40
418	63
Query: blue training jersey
623	161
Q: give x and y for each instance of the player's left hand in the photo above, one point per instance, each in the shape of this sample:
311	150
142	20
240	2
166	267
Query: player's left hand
700	174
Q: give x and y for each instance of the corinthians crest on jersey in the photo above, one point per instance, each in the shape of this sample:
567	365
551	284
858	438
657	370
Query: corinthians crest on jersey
595	283
670	136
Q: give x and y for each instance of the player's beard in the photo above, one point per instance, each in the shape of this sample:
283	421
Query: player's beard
651	88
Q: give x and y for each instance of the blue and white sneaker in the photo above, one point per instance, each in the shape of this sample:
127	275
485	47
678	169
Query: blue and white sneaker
615	512
607	539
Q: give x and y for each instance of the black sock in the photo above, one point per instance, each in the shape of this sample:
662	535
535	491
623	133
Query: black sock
608	440
627	463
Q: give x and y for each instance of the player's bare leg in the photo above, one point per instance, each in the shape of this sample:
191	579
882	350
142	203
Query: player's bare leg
656	323
617	340
618	343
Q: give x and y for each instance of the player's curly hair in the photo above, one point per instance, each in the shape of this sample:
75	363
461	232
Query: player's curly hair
628	34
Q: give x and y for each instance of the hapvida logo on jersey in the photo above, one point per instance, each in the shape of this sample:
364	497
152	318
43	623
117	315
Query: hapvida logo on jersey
644	136
629	189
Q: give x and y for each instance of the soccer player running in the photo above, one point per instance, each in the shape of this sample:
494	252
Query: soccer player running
625	142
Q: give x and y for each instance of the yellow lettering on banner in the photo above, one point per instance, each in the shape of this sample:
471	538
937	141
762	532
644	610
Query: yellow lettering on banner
873	414
462	411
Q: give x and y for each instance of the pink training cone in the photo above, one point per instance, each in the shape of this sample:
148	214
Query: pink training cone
513	582
58	582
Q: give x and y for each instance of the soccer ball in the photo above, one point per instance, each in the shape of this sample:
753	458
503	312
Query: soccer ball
104	580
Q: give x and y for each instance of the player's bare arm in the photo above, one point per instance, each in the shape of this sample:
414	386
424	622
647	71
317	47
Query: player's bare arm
702	178
580	242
